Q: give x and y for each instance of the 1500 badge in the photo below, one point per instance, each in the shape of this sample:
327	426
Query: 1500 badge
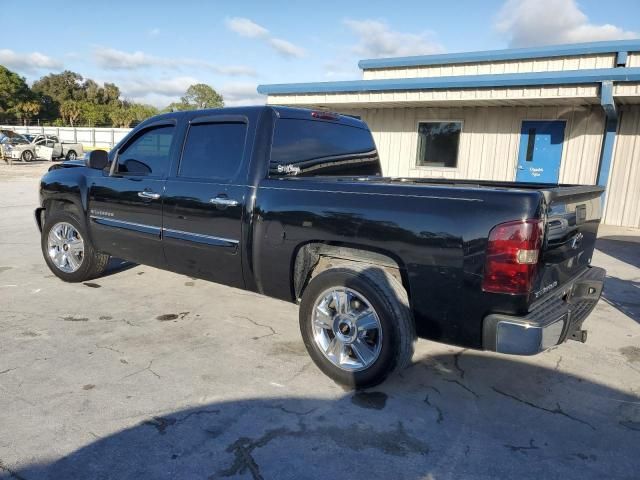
101	213
546	289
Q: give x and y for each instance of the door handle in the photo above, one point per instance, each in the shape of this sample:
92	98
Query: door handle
149	195
224	202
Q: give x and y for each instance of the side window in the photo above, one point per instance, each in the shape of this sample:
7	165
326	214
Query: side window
317	148
213	150
148	153
438	144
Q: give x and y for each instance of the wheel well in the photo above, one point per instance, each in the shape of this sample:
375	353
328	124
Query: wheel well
51	206
314	258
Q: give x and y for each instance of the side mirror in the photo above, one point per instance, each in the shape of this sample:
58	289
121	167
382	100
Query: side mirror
97	159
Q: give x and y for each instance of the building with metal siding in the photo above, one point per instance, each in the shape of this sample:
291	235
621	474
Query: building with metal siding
567	114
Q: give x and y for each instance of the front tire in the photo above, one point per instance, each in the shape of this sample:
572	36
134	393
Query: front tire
71	155
357	325
67	249
27	156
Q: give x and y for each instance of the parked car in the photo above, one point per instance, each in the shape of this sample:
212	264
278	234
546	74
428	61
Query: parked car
10	140
291	203
46	146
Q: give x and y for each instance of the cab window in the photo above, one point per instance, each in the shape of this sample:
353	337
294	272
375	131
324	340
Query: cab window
148	153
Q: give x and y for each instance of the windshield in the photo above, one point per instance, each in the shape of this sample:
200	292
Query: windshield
29	137
8	137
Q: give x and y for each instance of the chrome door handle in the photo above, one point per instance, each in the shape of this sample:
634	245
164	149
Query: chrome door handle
149	195
224	202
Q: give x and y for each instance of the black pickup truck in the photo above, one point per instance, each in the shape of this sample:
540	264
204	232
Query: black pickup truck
291	203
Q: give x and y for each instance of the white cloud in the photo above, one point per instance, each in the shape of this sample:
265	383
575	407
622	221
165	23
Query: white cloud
157	92
153	32
246	27
161	92
376	39
286	49
112	59
545	22
236	95
250	29
28	62
168	87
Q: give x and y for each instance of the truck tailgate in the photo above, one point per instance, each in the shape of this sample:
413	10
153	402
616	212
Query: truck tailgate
573	217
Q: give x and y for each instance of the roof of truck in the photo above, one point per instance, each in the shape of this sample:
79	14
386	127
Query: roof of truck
281	112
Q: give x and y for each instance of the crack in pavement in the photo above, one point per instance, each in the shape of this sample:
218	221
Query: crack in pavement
109	347
556	411
356	437
456	362
437	409
161	423
521	449
273	332
558	363
458	382
8	370
292	412
148	367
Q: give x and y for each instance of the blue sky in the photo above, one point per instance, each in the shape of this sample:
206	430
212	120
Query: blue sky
155	49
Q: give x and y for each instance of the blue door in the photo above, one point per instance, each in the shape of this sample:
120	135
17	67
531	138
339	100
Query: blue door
540	151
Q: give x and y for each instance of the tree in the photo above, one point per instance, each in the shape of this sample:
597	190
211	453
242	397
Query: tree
93	114
111	93
60	86
55	89
141	111
179	107
201	95
13	91
27	110
121	115
71	111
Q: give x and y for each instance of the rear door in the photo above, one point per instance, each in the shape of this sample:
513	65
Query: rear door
125	207
205	200
540	151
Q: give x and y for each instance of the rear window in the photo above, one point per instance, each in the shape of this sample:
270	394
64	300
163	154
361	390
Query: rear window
213	150
311	147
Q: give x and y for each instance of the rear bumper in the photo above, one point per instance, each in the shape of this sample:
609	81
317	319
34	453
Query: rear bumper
550	323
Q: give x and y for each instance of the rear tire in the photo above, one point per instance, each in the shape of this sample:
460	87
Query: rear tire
71	155
389	339
63	236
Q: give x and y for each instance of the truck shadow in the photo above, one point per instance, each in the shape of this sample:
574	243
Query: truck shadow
621	293
624	248
468	414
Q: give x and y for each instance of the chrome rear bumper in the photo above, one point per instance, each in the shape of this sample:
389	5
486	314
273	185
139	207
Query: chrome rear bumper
550	323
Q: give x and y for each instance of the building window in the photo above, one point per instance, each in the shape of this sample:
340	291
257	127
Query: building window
438	144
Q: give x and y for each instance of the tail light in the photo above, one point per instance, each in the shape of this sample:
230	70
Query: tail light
512	256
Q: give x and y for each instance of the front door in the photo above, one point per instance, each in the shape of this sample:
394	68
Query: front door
205	200
540	151
125	208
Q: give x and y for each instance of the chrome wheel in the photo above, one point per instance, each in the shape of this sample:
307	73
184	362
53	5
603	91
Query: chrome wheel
65	247
71	155
347	329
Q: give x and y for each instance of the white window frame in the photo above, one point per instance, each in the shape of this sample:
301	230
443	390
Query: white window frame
433	167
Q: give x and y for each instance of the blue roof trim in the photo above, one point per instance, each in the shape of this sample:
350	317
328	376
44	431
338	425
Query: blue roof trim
508	54
462	81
